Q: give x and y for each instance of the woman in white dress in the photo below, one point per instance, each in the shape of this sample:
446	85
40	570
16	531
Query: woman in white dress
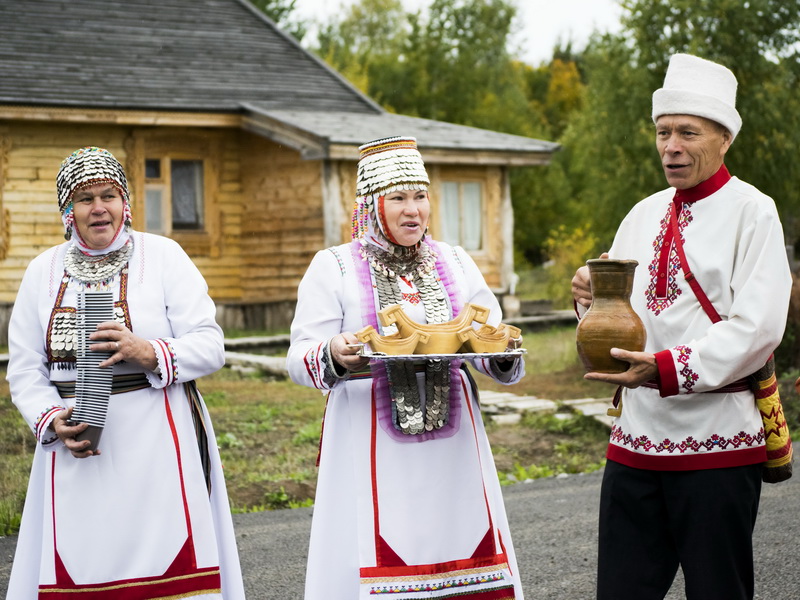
144	514
408	501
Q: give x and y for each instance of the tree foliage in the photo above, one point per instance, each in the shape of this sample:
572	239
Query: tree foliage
448	63
451	63
283	13
611	158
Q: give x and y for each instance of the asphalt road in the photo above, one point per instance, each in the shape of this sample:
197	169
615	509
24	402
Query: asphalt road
554	525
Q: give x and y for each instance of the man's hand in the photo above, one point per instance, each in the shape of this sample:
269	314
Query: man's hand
582	285
642	368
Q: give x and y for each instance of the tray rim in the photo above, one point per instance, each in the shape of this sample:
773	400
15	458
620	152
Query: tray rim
459	355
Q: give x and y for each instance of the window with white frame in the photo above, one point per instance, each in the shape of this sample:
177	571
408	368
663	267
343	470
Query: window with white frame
173	195
461	213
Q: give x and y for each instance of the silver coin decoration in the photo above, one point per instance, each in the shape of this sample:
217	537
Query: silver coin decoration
94	270
409	415
64	332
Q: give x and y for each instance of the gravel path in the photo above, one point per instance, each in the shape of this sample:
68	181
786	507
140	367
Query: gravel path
554	524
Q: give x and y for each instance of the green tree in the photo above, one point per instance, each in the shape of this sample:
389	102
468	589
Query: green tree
611	161
283	13
448	62
366	45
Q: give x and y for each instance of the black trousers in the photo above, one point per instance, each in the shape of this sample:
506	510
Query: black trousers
653	521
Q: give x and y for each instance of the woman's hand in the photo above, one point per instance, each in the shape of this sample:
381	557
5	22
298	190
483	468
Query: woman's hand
642	368
66	433
112	336
582	285
344	350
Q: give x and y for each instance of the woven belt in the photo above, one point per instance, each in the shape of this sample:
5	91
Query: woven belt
740	385
119	385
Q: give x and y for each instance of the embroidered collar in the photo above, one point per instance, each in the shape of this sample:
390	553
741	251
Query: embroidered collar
704	188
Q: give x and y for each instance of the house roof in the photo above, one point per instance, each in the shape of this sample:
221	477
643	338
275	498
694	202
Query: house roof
205	56
337	135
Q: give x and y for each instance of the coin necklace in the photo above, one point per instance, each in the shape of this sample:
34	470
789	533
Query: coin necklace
418	263
96	271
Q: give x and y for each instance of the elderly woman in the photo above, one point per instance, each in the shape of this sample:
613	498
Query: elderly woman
144	514
408	498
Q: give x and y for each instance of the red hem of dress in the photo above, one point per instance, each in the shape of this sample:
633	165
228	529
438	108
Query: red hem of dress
499	561
687	462
201	581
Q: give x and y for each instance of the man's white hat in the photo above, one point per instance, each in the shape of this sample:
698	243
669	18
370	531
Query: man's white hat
698	87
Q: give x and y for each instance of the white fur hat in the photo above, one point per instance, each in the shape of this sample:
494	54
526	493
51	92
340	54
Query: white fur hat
699	87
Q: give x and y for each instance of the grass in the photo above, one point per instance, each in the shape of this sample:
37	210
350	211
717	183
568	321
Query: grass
268	431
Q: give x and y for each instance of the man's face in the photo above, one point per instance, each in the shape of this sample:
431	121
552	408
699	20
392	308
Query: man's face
691	148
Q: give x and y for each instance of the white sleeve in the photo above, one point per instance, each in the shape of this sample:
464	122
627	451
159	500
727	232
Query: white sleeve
194	346
28	373
318	318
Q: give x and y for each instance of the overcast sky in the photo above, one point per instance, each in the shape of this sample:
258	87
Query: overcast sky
543	22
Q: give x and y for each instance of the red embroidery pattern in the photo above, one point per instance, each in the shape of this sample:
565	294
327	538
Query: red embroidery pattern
312	361
654	302
689	376
410	297
667	446
43	434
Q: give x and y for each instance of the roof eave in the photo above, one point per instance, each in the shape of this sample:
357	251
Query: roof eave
459	156
114	116
309	145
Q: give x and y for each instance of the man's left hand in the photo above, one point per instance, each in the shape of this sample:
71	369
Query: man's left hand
642	368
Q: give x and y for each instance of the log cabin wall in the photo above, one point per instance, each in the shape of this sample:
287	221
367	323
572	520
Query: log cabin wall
282	228
265	217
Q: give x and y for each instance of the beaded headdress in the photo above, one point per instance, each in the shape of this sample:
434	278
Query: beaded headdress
85	167
385	165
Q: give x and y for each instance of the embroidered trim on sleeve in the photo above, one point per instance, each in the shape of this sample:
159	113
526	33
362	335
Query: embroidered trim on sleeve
44	435
167	361
329	374
689	376
314	366
667	376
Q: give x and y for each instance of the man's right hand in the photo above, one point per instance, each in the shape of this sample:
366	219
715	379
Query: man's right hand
582	285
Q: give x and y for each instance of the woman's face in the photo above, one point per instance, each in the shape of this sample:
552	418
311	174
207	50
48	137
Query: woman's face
98	213
405	214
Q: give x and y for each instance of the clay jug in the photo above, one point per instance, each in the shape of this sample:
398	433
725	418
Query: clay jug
610	321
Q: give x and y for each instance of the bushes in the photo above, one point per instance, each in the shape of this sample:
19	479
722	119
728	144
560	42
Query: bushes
567	250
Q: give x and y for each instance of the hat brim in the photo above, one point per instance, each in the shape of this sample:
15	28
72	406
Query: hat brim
683	102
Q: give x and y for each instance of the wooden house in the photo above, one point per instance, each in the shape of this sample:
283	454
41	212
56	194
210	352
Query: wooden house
238	143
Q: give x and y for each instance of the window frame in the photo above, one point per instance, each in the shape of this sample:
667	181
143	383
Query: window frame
167	147
460	183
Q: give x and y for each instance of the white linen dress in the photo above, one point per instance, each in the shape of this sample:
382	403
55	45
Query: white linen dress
137	521
405	516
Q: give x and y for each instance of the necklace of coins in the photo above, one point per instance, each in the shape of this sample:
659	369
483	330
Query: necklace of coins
94	270
386	267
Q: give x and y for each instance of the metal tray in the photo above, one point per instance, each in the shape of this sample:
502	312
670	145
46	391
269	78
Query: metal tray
461	355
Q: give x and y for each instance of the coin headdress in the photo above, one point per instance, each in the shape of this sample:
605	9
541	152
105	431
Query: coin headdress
86	167
385	165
